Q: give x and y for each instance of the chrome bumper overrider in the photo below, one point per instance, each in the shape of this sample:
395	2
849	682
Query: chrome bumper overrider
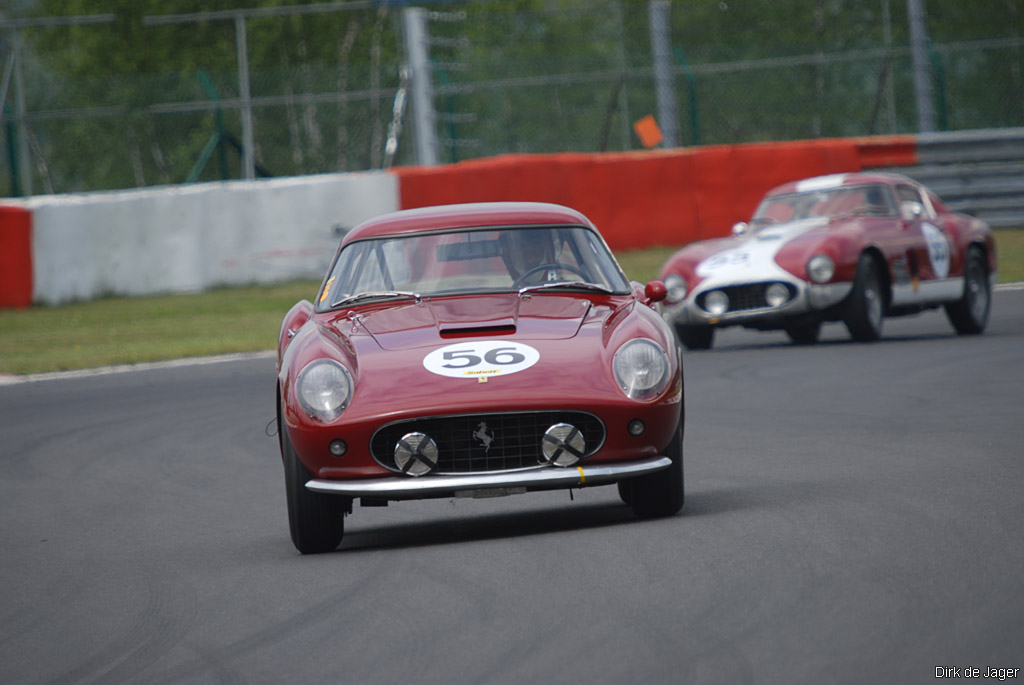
493	484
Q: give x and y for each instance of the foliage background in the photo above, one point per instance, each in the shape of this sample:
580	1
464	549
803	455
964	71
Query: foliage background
128	103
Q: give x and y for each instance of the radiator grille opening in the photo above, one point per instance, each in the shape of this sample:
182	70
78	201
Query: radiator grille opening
476	443
745	297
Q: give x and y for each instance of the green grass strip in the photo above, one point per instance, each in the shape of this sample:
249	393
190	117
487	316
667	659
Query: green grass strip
116	331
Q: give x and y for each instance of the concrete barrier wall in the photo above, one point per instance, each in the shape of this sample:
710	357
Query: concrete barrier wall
191	238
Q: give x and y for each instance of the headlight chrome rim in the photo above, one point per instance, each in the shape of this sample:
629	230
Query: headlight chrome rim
821	268
641	368
323	389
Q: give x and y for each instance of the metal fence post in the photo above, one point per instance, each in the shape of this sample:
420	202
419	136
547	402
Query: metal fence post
248	139
922	67
424	117
661	52
24	155
12	157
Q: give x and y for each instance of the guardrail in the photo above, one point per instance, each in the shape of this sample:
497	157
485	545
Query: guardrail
980	173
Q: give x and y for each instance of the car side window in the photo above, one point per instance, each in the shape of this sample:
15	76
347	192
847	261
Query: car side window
878	200
911	202
907	194
372	276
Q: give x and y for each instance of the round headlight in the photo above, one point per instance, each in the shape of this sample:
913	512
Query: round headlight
820	268
716	303
641	368
776	294
324	388
676	287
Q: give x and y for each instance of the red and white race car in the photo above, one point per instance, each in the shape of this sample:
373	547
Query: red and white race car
846	247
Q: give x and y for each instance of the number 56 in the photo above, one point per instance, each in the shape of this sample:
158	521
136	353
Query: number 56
498	355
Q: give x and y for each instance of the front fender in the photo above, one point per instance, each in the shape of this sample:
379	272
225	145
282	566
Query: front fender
294	320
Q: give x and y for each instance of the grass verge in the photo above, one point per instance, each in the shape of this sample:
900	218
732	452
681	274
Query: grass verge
146	329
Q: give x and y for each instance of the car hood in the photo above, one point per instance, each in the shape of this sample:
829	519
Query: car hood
431	322
749	258
519	345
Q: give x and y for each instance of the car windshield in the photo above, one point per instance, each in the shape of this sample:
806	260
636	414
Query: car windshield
871	199
471	261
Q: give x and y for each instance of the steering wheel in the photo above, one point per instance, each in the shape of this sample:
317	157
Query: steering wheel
542	267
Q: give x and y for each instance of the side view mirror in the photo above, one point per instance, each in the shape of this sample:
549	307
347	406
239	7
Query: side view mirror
740	227
911	210
655	291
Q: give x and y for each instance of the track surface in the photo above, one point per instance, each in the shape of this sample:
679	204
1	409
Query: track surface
854	514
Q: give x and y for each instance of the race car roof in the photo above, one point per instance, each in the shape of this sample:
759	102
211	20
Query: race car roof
469	215
838	180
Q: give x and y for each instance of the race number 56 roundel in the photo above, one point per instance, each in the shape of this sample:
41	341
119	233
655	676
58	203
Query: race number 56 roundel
481	358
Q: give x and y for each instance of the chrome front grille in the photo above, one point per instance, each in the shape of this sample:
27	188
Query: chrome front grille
744	297
475	443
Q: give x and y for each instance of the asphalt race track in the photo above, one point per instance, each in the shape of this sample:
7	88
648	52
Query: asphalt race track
854	514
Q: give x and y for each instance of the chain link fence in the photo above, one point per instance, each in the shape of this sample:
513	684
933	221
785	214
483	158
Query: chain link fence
140	98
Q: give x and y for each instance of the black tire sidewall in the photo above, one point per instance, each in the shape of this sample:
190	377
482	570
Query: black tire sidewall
662	493
961	313
859	317
316	521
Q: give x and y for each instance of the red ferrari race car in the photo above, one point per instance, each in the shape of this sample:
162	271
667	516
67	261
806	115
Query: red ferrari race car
846	247
472	351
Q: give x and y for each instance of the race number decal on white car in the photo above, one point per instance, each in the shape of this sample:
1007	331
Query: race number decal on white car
724	260
481	359
754	256
938	250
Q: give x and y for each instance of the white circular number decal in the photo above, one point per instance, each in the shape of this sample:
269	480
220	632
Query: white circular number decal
938	250
723	260
476	359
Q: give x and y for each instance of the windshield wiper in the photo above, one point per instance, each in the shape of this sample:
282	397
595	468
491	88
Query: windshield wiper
352	299
565	284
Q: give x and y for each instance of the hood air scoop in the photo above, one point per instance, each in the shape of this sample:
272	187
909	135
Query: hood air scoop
469	329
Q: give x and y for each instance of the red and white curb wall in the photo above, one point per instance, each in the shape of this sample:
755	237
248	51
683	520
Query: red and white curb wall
57	249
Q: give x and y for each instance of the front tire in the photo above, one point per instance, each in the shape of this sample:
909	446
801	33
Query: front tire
662	493
316	521
804	334
625	491
969	314
696	337
866	306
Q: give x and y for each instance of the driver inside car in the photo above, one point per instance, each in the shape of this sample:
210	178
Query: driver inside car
525	253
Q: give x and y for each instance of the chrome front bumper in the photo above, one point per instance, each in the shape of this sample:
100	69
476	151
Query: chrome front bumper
489	485
809	298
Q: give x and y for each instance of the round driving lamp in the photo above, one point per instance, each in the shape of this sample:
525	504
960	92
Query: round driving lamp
776	294
416	454
562	444
716	303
